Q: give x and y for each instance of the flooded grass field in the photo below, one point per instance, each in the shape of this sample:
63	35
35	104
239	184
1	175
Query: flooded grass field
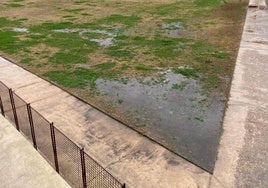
161	67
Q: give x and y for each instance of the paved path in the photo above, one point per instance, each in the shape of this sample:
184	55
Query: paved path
243	152
21	165
134	159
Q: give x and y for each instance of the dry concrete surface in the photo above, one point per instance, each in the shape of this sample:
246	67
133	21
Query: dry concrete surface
141	163
243	151
21	165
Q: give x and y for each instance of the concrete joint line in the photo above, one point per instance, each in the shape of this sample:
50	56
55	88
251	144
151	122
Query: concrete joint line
261	4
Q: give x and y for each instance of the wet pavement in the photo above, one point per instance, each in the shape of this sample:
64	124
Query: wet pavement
173	110
129	156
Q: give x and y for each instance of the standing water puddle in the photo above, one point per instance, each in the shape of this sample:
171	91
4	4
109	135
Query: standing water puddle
172	29
106	41
173	112
20	30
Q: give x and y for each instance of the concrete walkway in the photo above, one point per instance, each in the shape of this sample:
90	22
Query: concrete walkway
139	162
132	158
243	152
21	165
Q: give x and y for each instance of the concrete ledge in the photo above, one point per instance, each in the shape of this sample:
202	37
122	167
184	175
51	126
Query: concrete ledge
21	165
261	4
243	154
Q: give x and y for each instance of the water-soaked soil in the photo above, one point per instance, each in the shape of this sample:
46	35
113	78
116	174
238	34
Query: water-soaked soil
174	110
130	39
105	41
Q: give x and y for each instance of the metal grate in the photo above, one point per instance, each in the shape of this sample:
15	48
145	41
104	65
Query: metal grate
97	176
22	115
68	159
6	102
43	136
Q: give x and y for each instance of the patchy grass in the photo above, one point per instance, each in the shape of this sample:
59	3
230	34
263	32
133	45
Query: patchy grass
120	101
140	42
199	118
212	81
187	72
208	3
163	47
105	66
67	58
143	67
179	86
14	5
50	26
8	41
120	19
205	47
120	53
80	77
4	22
26	60
78	10
166	9
77	79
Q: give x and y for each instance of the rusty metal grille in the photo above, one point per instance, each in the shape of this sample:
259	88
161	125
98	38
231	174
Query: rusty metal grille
43	136
22	114
69	159
6	102
97	176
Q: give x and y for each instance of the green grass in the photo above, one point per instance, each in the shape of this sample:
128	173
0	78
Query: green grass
167	9
205	52
120	53
80	1
105	66
220	55
4	22
80	77
78	10
135	49
95	35
159	46
49	26
124	67
212	81
70	42
143	67
120	19
187	72
76	79
67	58
26	60
14	5
199	118
120	101
8	40
207	3
179	86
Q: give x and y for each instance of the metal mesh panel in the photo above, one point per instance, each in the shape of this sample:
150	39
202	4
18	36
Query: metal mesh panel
98	177
69	159
43	136
4	93
22	114
67	152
